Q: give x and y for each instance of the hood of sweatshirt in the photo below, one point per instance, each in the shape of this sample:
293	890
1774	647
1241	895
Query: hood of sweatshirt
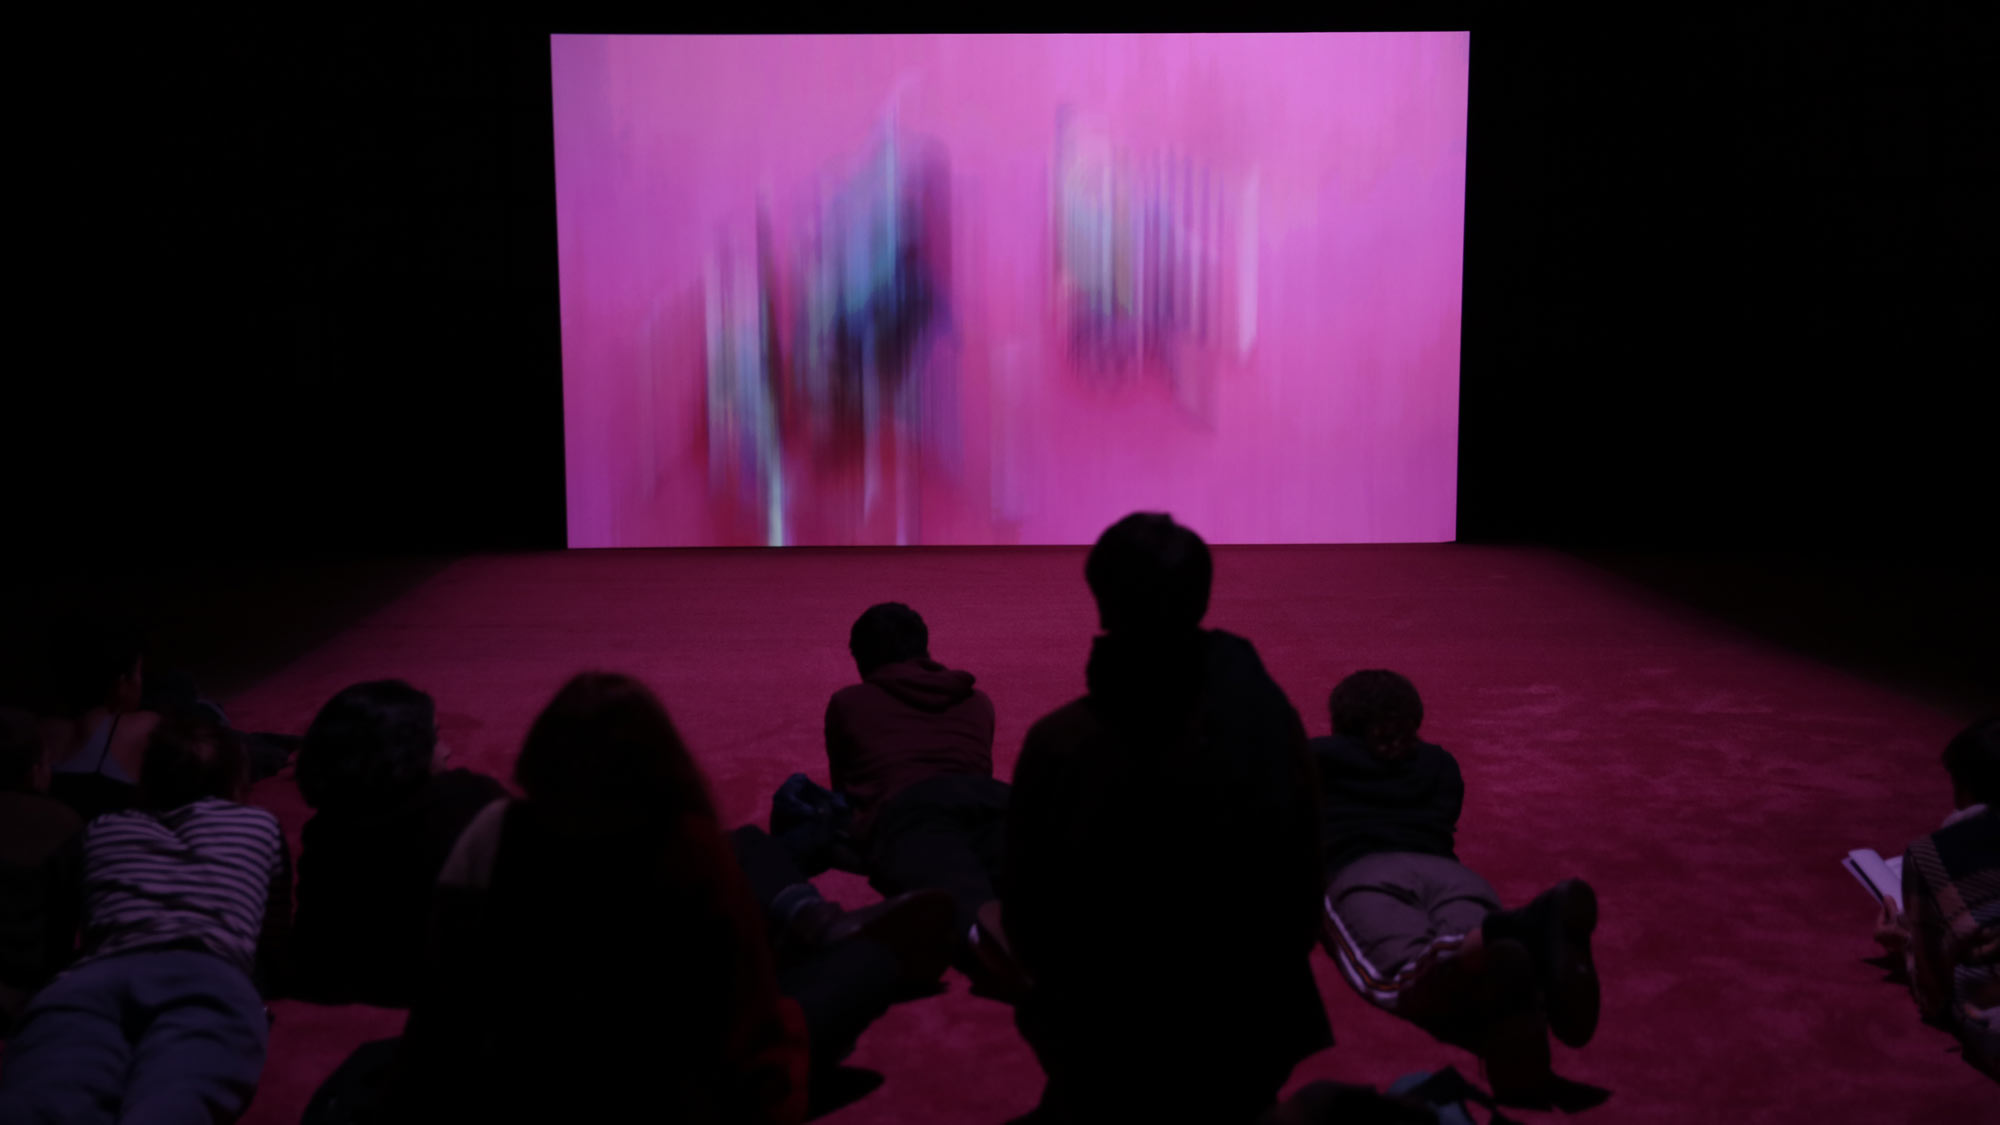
924	684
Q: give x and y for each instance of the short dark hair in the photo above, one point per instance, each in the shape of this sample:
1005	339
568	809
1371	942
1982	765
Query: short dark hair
369	743
1149	575
888	633
605	743
189	759
1377	706
1973	760
90	654
20	748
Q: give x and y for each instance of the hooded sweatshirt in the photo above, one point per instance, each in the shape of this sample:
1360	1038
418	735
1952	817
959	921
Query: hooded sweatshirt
906	722
1371	805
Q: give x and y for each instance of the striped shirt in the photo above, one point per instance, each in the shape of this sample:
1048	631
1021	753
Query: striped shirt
212	875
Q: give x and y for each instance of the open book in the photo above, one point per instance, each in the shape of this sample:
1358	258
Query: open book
1882	877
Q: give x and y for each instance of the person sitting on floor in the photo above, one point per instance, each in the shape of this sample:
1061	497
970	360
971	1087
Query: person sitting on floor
1161	891
386	814
911	749
186	906
596	954
1418	933
41	879
1949	928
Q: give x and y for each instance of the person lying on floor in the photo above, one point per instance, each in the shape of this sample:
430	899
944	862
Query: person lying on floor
41	878
911	749
1162	881
1421	935
186	907
596	953
386	813
1949	929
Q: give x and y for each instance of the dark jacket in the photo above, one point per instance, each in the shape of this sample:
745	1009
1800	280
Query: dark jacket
1371	805
364	892
905	723
1162	885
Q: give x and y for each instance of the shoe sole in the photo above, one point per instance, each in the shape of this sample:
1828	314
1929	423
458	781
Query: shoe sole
1574	996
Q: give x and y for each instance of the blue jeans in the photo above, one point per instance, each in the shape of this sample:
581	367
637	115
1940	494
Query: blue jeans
170	1037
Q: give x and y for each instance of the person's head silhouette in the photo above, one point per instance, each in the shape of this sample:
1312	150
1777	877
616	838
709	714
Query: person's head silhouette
888	633
1150	576
605	753
1379	708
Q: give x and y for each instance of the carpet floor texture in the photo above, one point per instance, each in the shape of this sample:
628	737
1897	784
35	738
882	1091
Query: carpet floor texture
1705	782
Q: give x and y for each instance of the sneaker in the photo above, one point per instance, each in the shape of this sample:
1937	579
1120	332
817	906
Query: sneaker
916	927
1569	916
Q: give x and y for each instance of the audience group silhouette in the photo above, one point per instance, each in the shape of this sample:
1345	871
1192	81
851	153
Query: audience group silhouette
1145	893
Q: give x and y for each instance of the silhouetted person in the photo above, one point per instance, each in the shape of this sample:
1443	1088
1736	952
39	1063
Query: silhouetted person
911	747
1162	884
1949	929
41	878
596	953
386	814
1421	935
186	907
94	728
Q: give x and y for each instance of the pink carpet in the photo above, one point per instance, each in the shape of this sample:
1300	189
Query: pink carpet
1707	784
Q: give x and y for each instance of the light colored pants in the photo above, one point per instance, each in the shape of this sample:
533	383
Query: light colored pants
1393	915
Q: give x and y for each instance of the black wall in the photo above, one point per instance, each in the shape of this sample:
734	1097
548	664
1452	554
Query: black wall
1726	283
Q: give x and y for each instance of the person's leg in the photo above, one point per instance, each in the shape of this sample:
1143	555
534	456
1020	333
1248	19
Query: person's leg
202	1050
944	834
841	990
1380	933
1556	928
911	927
774	877
68	1060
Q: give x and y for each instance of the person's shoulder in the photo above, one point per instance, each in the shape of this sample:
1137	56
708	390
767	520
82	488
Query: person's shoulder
468	785
1062	729
138	725
1978	834
473	855
853	693
1438	757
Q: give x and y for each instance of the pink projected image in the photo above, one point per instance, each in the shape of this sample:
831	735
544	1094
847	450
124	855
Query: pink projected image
830	290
